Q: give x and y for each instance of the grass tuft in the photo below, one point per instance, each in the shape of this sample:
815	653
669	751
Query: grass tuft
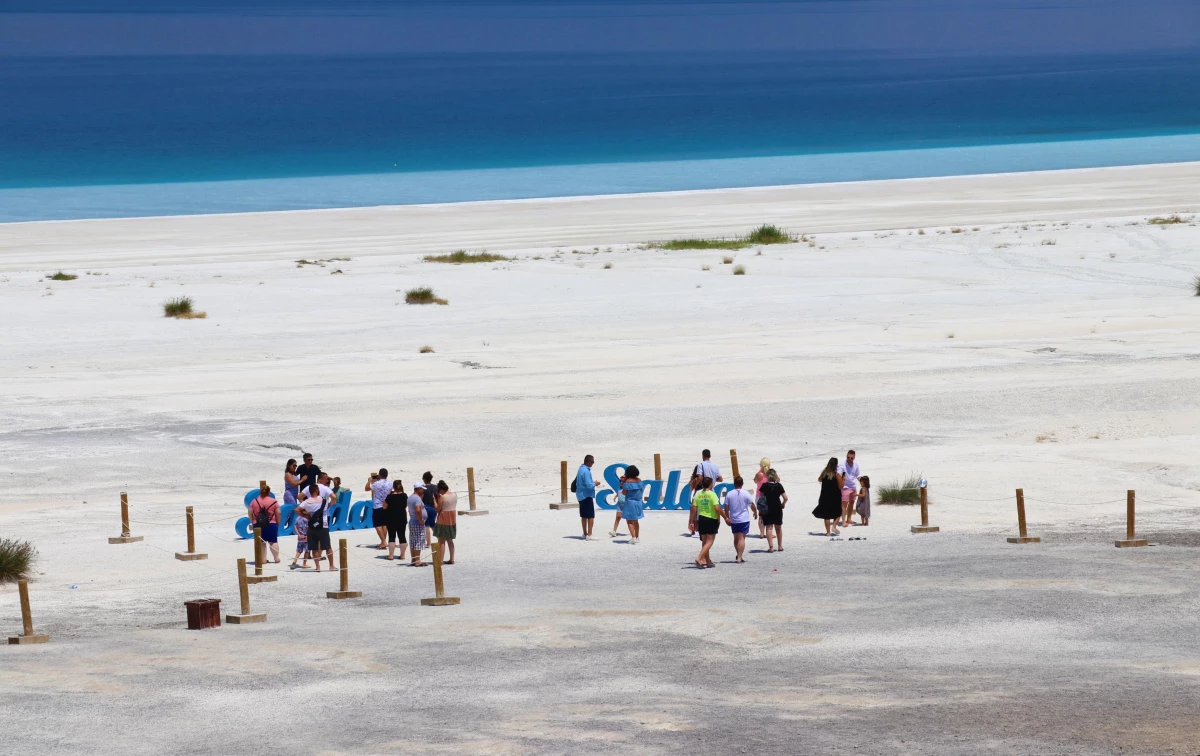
727	261
1196	285
181	308
900	492
1169	220
16	559
764	234
608	266
739	270
422	296
60	276
426	349
462	256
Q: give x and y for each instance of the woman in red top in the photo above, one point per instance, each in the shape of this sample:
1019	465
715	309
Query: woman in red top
264	513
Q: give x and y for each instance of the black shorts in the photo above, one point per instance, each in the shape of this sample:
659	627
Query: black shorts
587	508
318	539
707	525
396	532
379	518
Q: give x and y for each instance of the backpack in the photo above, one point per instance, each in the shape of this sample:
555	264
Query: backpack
573	482
314	519
263	518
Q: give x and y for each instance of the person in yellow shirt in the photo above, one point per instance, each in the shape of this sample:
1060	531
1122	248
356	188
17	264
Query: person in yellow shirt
706	517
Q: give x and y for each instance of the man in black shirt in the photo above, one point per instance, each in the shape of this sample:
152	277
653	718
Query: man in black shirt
307	472
430	506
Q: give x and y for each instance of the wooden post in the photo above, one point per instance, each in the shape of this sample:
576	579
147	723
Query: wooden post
1131	538
440	598
1024	534
733	462
925	527
190	554
125	537
658	467
27	634
471	495
563	503
259	558
345	592
245	617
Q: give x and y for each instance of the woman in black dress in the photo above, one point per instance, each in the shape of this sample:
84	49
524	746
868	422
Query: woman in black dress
775	499
829	506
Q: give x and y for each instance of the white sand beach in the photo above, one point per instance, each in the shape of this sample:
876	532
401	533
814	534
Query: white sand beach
989	332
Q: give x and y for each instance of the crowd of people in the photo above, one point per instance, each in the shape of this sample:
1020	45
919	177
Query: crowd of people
404	522
845	492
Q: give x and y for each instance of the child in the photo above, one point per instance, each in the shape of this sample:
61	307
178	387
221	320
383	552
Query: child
300	525
864	499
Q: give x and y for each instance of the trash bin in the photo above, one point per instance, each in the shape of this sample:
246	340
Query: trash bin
203	613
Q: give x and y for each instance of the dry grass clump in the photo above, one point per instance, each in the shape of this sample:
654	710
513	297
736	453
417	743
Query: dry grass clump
422	296
426	349
181	308
739	270
1196	285
60	276
16	559
727	261
608	266
462	256
1169	220
900	492
764	234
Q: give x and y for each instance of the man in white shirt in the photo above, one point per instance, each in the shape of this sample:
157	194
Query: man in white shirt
850	473
739	508
318	528
379	486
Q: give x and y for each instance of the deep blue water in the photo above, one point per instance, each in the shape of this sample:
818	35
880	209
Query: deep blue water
146	121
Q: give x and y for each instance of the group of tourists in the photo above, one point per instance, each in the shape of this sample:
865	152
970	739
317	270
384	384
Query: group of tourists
845	492
408	522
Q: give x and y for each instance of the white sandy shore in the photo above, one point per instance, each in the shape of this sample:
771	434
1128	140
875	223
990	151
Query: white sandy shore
1051	343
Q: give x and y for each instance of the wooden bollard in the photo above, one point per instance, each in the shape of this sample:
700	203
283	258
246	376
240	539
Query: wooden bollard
1131	538
563	503
259	558
27	634
345	592
471	495
245	617
125	537
733	462
658	467
190	554
925	527
1024	534
440	598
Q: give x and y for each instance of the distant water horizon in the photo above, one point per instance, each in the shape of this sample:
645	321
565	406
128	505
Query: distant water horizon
104	137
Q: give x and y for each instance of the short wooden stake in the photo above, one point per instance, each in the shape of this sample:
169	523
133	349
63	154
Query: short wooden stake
733	463
562	503
1024	537
125	537
440	598
27	634
1131	539
245	617
471	495
259	558
658	467
190	554
925	527
345	592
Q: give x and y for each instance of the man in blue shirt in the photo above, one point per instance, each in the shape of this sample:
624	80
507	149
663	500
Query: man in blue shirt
585	492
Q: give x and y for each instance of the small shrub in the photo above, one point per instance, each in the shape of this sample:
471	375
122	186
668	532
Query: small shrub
956	230
426	349
950	335
608	266
1169	220
920	232
1196	285
16	559
727	261
1048	242
768	234
462	256
60	276
900	492
422	296
181	308
764	234
739	270
705	267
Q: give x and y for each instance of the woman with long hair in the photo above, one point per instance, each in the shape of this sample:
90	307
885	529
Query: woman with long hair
829	505
634	489
291	483
446	527
775	499
760	477
264	516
